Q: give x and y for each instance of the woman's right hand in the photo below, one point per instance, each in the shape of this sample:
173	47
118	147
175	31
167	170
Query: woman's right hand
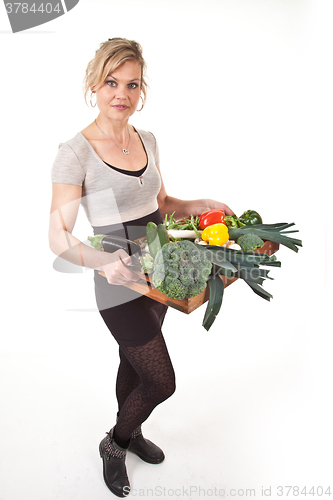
116	272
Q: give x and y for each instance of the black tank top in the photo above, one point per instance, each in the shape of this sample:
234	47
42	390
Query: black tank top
135	173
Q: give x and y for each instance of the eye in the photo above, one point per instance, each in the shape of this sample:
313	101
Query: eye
111	83
133	85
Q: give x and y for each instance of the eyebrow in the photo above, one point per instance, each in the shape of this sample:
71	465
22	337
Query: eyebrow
133	80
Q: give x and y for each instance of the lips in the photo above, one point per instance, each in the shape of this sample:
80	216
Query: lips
120	107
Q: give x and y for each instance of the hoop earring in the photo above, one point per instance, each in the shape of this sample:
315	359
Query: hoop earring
141	105
91	104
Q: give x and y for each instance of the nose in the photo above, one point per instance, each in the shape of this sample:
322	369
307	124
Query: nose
121	92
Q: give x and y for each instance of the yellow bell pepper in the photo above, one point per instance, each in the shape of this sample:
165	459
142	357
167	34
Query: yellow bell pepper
217	234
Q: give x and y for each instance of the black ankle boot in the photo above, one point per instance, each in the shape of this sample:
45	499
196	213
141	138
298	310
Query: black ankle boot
144	448
114	468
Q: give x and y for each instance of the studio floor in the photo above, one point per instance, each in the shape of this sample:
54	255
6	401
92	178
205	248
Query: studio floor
244	417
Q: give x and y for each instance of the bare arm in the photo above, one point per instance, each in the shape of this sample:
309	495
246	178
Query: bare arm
64	209
183	208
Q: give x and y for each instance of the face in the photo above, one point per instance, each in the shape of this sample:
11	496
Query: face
119	95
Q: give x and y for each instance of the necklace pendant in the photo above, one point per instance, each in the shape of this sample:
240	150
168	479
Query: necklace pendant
125	151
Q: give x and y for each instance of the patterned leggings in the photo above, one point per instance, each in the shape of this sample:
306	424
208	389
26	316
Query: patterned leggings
145	379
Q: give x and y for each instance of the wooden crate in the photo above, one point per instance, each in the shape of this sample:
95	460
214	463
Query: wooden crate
145	287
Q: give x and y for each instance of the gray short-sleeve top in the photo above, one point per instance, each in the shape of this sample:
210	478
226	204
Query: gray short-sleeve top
108	196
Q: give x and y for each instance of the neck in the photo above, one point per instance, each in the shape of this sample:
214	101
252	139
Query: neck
117	130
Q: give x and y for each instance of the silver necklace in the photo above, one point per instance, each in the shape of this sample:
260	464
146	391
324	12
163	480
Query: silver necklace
124	150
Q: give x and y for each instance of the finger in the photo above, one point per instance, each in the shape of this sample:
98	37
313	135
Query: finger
228	211
126	260
119	280
124	257
126	271
120	276
128	275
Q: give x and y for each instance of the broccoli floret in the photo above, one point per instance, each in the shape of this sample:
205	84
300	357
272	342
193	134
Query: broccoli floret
249	242
147	263
181	270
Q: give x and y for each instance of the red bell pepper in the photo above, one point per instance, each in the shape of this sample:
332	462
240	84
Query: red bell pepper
211	217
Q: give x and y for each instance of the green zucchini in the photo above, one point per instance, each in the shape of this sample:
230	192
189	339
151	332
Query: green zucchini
157	236
152	239
162	234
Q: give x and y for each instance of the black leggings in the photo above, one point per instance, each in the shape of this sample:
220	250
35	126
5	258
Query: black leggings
145	379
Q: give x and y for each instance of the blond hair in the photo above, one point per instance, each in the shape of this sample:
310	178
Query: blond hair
108	58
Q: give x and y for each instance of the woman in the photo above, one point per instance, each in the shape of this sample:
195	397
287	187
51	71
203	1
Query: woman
113	170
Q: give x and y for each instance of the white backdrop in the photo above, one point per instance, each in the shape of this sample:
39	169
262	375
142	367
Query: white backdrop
241	104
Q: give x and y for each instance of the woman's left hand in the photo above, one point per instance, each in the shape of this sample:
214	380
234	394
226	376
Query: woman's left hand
213	205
